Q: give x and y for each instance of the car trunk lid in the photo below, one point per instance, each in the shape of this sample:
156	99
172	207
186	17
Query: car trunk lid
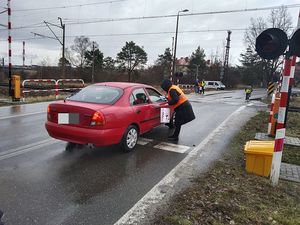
73	113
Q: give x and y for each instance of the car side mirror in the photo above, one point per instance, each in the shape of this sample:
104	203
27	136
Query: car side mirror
163	98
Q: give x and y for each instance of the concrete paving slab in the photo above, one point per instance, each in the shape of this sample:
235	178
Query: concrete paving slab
290	172
294	141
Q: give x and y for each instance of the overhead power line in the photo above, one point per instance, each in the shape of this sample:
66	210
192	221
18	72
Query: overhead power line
136	34
85	21
186	14
66	7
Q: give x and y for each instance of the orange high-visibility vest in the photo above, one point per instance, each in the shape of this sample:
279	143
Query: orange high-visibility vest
182	97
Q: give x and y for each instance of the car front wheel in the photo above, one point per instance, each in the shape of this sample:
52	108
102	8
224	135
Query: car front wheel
130	138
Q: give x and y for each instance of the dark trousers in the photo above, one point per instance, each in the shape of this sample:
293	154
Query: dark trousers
177	131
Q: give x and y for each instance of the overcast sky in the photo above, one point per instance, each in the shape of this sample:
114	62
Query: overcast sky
30	15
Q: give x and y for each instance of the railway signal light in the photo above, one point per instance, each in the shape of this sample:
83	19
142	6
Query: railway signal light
271	43
295	43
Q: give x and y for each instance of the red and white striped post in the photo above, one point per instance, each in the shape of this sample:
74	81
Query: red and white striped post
271	113
287	81
9	48
280	128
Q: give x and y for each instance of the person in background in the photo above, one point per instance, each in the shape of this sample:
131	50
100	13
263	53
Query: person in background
182	107
202	85
248	91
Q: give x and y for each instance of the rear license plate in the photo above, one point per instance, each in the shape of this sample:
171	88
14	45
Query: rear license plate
68	118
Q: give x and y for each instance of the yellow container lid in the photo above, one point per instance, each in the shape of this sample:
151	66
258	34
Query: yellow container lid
259	147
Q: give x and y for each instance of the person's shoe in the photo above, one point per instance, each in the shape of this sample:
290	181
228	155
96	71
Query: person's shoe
170	125
173	138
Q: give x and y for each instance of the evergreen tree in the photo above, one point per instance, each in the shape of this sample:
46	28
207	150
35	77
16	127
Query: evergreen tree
197	60
131	57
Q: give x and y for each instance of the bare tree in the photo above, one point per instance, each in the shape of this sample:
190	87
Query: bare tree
278	18
81	45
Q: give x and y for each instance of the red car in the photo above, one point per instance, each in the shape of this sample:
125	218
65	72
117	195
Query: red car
106	114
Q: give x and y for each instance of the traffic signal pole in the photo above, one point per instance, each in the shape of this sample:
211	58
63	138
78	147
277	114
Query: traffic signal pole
286	90
280	128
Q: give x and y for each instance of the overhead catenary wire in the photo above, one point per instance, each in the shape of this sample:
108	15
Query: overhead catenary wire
184	15
135	34
105	20
69	6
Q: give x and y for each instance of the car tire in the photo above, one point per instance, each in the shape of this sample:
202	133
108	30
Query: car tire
70	146
130	138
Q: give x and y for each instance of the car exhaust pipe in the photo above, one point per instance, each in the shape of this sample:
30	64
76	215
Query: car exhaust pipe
91	146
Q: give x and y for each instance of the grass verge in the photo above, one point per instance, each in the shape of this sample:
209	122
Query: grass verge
226	194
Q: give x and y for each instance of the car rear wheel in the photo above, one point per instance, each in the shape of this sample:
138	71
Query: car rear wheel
130	138
70	146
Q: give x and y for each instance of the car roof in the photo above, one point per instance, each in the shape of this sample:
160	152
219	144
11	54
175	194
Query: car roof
122	85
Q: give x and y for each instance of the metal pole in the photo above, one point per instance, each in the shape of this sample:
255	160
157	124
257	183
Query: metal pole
171	69
9	50
93	66
174	57
63	48
23	53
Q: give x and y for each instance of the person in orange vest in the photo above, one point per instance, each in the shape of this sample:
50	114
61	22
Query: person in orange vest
182	107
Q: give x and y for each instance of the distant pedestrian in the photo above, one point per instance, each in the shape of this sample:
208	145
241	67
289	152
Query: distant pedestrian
202	86
248	91
182	107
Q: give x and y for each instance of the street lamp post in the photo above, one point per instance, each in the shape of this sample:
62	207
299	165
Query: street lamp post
174	57
197	66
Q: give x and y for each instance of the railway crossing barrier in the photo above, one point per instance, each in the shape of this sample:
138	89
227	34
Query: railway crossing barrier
55	84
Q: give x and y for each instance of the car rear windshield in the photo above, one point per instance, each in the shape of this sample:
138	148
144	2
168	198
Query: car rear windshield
98	94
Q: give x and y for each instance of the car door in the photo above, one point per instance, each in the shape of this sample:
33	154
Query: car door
139	102
156	102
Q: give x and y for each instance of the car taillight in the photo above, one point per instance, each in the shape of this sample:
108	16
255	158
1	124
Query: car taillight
49	113
97	119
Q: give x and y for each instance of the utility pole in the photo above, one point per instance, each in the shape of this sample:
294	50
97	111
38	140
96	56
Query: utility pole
93	67
63	48
23	53
175	47
62	26
171	69
225	66
9	49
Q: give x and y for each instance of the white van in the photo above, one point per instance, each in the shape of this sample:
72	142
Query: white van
214	84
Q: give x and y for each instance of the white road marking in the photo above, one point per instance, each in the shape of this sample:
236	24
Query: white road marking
27	148
27	114
158	192
26	104
172	147
144	141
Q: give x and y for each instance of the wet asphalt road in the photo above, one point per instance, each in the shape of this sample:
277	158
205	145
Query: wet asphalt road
40	183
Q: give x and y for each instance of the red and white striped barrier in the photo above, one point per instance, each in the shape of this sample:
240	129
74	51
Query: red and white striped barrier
66	89
35	81
55	84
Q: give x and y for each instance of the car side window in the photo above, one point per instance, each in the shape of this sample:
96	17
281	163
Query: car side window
154	95
139	97
210	83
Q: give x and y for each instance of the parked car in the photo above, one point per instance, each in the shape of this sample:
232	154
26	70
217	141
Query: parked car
218	85
106	114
